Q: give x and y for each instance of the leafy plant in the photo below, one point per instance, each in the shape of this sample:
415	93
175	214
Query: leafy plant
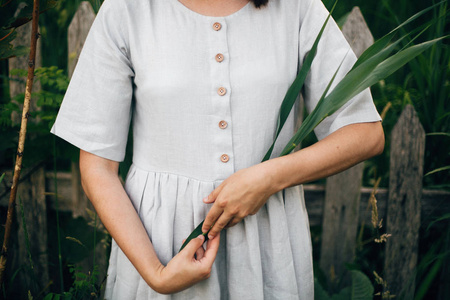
361	288
54	83
85	286
13	15
425	84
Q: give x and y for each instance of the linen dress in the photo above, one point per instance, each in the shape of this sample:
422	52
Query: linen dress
202	94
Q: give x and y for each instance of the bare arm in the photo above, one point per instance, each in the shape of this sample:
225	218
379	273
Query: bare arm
247	190
102	185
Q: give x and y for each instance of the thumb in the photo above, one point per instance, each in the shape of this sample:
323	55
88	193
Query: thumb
193	245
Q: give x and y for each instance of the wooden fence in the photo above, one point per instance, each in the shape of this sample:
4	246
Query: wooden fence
339	207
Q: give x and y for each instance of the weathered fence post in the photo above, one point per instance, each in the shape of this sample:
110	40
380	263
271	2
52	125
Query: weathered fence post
403	210
31	197
342	198
77	33
31	190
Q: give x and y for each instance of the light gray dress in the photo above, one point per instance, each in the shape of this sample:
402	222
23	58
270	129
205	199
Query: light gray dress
197	118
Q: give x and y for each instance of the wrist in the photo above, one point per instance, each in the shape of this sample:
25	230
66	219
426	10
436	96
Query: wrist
153	275
275	172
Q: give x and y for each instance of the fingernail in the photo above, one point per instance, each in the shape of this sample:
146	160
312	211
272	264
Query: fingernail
205	199
210	236
201	236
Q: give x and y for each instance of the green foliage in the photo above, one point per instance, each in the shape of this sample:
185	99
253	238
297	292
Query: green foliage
14	14
432	257
54	25
85	286
428	81
54	83
361	288
296	87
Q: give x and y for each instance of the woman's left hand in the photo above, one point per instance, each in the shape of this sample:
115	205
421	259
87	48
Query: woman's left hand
240	195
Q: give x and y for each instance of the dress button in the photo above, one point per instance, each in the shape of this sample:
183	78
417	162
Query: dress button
224	158
217	26
222	91
223	124
219	57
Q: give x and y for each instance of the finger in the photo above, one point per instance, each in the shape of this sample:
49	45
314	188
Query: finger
193	245
220	224
233	222
199	253
212	197
211	249
213	214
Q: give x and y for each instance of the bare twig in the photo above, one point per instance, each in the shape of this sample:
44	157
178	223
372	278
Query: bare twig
22	134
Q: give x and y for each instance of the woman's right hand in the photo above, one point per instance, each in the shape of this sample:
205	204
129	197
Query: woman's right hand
191	265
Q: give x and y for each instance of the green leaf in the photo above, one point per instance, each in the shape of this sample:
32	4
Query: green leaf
442	218
357	80
197	231
439	133
438	170
344	294
49	296
384	41
426	283
362	288
319	291
294	90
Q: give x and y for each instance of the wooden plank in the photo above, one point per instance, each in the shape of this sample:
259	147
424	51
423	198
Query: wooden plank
77	33
342	199
435	203
31	197
404	206
357	32
340	220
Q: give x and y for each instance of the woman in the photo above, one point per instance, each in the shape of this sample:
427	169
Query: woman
203	82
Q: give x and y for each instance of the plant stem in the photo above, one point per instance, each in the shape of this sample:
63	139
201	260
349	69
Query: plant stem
22	135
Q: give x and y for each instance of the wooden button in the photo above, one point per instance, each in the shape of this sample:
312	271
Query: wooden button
223	124
217	26
219	57
222	91
224	158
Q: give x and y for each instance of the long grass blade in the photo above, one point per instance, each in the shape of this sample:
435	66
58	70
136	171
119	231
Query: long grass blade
438	170
431	133
385	40
296	87
197	231
355	82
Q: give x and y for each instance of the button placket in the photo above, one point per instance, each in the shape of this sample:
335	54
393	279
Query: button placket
220	75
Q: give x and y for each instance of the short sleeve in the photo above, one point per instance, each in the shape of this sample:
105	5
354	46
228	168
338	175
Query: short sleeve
96	110
332	49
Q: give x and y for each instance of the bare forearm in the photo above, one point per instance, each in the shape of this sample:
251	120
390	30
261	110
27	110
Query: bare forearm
103	187
337	152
